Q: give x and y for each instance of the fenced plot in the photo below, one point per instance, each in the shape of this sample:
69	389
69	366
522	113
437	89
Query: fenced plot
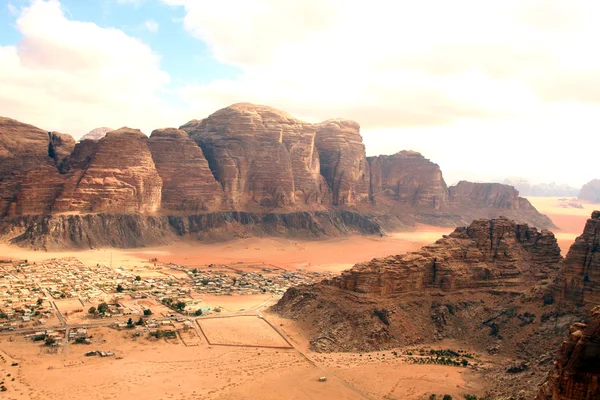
243	331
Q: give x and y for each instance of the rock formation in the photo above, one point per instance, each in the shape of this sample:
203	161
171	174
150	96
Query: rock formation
487	195
591	191
343	161
120	177
188	183
246	159
262	157
580	275
432	293
96	134
29	162
576	372
410	178
488	253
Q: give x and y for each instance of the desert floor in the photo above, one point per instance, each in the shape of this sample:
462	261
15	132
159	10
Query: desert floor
247	359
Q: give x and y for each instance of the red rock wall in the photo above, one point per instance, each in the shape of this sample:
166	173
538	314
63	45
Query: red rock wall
120	178
188	183
343	161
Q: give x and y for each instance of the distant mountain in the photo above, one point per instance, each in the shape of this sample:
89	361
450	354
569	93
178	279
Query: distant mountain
591	191
96	134
553	189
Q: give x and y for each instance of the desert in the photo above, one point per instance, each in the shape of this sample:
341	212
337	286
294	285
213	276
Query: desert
299	199
240	356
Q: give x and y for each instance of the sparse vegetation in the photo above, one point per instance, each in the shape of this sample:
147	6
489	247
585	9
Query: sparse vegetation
147	312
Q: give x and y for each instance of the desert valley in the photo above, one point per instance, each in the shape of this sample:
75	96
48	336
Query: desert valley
299	199
139	273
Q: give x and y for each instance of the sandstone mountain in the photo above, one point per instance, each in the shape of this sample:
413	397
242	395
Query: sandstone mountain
576	372
591	191
246	163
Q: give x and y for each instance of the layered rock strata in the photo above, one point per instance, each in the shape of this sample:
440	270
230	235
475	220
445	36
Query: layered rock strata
343	161
262	157
188	183
119	177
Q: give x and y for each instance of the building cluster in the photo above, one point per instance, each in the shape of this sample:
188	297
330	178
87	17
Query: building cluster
220	280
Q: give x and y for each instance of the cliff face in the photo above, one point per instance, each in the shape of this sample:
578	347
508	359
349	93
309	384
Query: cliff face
262	157
30	159
343	161
591	191
119	177
188	183
409	178
576	372
80	231
580	275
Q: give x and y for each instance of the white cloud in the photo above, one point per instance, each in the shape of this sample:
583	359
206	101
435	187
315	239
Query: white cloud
400	68
12	9
74	76
151	25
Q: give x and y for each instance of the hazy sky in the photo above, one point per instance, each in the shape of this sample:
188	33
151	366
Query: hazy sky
487	89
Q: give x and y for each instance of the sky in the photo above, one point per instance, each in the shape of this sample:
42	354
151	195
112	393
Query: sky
486	89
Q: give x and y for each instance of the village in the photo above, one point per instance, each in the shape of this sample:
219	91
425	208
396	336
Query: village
56	301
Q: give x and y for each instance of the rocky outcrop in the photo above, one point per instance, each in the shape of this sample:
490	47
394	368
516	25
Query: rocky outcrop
262	157
96	134
576	372
488	253
60	232
469	285
60	148
580	275
120	177
188	183
409	178
343	161
591	191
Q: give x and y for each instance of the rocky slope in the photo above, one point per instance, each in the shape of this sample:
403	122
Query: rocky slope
576	372
591	191
244	158
409	178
